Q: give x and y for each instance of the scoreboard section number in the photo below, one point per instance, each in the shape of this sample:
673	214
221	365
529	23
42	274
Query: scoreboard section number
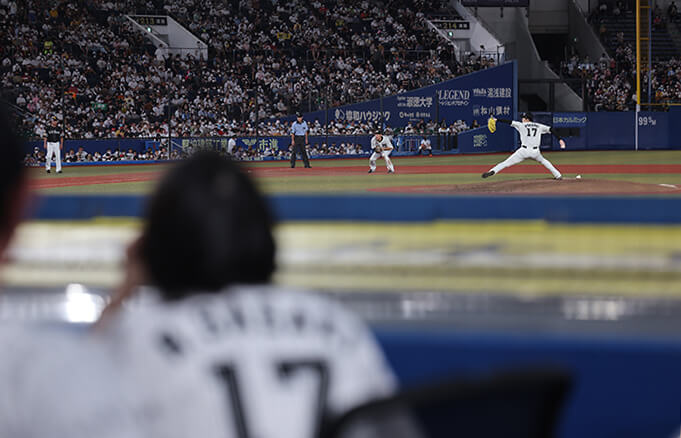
452	25
147	20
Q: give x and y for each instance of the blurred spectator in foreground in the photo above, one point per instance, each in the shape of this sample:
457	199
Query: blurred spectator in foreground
290	360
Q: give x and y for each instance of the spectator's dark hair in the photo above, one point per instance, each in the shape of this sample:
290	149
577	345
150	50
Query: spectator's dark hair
12	170
207	227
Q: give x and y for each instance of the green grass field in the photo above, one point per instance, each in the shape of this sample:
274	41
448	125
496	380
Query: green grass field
357	181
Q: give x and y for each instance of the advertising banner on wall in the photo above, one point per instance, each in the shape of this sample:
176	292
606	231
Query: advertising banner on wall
474	96
570	120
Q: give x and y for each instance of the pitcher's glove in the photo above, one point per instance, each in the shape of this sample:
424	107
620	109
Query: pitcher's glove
492	124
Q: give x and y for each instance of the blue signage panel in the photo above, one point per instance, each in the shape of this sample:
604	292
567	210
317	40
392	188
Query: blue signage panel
570	120
653	130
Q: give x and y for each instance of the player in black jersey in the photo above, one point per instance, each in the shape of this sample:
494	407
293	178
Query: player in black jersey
53	143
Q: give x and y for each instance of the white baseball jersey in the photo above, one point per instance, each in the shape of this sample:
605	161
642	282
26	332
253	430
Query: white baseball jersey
250	361
384	143
530	132
61	385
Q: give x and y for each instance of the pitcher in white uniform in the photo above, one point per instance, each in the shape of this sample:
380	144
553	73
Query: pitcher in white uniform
382	147
530	139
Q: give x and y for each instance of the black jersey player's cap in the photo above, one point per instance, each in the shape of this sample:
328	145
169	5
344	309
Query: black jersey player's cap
527	116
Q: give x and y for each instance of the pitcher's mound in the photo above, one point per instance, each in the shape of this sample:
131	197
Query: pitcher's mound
566	186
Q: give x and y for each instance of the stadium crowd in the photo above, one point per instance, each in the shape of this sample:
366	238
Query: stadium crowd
37	158
84	60
610	80
276	128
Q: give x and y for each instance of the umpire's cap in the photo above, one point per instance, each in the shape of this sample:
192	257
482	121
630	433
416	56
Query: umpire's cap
527	116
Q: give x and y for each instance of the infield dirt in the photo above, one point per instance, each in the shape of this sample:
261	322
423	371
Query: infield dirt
541	187
618	174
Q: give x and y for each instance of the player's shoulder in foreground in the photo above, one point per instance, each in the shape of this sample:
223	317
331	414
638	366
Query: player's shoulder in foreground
20	341
63	378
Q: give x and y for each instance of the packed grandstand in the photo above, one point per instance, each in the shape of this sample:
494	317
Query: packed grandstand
112	82
85	62
610	80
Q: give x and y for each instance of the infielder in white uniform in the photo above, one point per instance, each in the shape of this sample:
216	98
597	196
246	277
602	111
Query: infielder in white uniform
53	144
382	147
530	139
425	147
224	354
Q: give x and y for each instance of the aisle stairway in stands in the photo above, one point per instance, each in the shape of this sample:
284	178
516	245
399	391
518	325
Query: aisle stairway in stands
664	46
675	34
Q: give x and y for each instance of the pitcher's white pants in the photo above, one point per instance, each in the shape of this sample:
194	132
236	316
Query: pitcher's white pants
386	156
53	149
523	154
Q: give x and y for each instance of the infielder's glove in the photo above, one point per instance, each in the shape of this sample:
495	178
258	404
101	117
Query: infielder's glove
378	150
492	124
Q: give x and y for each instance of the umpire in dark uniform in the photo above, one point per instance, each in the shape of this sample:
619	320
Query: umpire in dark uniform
299	140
